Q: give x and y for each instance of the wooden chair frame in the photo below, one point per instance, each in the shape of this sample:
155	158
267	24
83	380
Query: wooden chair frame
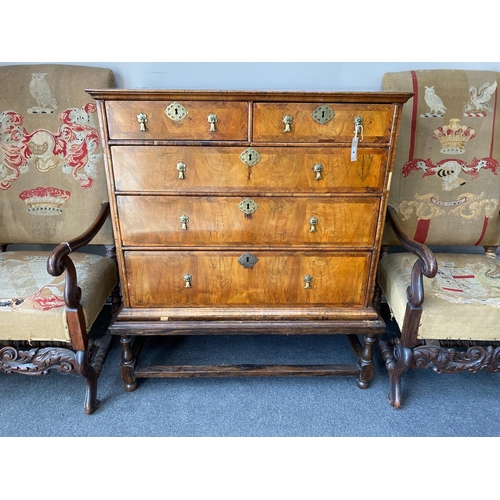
84	356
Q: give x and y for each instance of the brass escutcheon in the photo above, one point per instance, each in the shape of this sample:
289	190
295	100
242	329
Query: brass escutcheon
187	278
250	157
323	114
248	260
176	111
248	206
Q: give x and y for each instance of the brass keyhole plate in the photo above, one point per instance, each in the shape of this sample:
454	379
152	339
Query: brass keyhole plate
176	112
248	260
250	157
248	206
323	114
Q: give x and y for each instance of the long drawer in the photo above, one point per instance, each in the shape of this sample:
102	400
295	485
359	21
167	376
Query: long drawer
232	220
171	120
235	169
306	124
204	278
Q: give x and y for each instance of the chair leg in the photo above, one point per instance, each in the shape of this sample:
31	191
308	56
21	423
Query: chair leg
85	369
398	360
402	361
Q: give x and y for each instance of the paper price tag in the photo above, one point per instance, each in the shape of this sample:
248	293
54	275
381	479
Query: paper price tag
354	149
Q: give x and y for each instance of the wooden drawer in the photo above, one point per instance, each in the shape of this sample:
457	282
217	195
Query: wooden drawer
268	123
157	279
212	169
155	221
232	120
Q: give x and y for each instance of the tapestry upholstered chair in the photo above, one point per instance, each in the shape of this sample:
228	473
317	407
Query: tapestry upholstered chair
445	193
53	201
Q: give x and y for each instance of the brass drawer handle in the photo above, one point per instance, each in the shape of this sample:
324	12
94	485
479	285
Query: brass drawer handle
181	168
358	126
308	278
187	278
287	120
142	118
318	168
184	220
212	119
313	221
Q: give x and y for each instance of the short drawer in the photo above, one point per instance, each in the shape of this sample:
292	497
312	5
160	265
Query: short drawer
305	123
172	120
274	221
204	278
196	169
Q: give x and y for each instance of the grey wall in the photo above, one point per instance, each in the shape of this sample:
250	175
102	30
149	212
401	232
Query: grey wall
266	75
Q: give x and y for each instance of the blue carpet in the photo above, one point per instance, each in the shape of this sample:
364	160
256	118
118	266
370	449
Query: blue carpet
433	405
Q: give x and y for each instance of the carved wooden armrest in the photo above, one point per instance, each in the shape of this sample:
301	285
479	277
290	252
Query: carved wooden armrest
425	265
60	261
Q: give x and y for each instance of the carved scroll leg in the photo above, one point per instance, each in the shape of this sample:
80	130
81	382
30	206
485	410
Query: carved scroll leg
398	360
403	357
84	368
129	358
366	360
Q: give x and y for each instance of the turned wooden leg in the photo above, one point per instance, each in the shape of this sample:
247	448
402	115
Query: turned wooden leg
127	365
401	362
366	360
84	368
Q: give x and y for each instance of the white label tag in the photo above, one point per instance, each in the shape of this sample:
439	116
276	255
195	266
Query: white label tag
354	149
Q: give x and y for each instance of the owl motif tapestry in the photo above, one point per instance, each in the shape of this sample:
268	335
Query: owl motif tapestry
52	178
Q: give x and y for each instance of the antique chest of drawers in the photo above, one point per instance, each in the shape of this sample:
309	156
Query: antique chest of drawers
247	213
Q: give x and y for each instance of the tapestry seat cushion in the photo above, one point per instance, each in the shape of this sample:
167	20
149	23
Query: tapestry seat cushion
462	302
32	304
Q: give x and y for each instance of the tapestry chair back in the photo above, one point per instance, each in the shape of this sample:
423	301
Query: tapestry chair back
53	191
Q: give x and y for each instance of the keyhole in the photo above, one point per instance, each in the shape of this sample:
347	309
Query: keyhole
248	259
322	114
248	206
250	156
176	111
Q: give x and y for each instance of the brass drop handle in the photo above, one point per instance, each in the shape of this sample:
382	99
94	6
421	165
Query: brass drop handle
212	119
181	168
184	220
308	278
313	221
142	118
358	127
318	168
187	278
287	120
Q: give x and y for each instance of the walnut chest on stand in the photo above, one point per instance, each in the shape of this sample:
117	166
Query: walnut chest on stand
248	213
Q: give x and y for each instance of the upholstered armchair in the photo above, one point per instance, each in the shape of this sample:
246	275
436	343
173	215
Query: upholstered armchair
53	202
445	193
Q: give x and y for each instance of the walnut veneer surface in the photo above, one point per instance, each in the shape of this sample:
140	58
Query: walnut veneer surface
245	213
